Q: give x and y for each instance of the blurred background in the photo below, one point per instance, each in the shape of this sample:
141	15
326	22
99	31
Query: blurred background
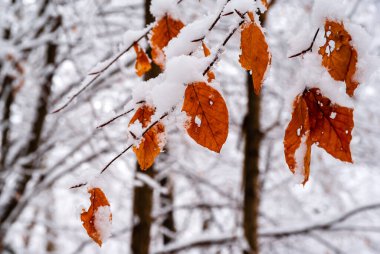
192	200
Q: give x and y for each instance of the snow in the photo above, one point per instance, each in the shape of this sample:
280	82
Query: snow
137	130
103	222
299	131
132	36
167	90
244	6
161	140
182	44
312	74
198	121
299	157
322	9
333	115
367	64
160	8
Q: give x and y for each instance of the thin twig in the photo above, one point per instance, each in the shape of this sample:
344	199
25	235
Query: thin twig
117	157
139	138
115	118
78	185
219	16
310	48
220	49
98	73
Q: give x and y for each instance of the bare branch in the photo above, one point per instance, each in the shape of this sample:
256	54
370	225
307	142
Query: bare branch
309	49
102	70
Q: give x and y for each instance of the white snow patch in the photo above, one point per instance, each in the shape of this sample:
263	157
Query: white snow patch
244	6
312	74
137	130
182	44
160	8
299	157
333	10
333	115
103	222
367	64
198	121
299	132
180	71
132	36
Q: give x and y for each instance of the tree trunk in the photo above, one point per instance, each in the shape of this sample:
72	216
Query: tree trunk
143	195
166	200
9	213
251	169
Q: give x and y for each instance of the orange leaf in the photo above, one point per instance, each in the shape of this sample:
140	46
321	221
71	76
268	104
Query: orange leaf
297	141
330	125
142	61
208	113
339	56
315	120
255	54
210	74
151	143
265	3
166	29
91	219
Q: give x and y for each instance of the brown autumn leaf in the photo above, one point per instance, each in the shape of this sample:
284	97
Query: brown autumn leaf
297	141
316	120
89	218
255	55
142	65
166	29
265	3
330	124
208	124
210	74
151	143
339	56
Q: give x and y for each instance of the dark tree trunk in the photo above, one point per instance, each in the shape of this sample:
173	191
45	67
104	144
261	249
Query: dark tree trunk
143	195
251	169
166	200
142	210
9	212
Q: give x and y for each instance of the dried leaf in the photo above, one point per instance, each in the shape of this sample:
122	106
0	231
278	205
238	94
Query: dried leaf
339	56
210	74
255	54
297	141
316	120
166	29
89	218
142	65
208	124
151	143
265	3
330	125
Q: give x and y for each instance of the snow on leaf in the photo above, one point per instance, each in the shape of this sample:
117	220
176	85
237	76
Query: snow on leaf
152	141
166	29
339	56
208	115
297	142
96	225
142	61
255	55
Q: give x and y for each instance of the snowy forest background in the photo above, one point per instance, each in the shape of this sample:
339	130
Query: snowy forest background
194	197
